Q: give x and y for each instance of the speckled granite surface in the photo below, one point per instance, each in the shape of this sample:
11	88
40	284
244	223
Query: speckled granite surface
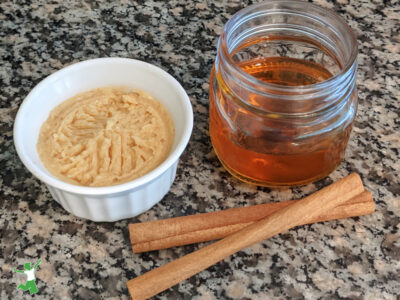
355	258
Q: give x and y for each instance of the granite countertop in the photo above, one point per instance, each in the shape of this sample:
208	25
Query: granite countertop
356	258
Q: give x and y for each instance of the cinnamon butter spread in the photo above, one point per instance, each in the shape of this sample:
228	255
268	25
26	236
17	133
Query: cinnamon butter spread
105	136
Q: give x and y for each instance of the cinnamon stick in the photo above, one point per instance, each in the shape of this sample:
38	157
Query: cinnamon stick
162	234
301	212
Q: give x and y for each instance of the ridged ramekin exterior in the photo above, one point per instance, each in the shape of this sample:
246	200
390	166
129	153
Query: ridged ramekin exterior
113	207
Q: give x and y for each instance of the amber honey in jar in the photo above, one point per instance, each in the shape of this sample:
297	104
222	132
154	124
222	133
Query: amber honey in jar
282	93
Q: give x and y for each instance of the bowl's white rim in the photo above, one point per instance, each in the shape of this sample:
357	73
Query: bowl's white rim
76	189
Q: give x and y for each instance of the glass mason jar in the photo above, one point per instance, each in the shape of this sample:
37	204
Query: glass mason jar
282	93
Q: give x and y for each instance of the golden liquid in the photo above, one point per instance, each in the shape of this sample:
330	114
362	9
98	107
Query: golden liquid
270	160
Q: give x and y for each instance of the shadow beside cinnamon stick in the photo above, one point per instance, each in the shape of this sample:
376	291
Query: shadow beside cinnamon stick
186	230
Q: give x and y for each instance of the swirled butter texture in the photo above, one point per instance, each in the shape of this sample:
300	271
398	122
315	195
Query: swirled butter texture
105	136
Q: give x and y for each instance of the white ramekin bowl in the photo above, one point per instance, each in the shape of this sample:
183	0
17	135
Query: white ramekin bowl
109	203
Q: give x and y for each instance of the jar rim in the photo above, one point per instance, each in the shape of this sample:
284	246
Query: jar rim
252	9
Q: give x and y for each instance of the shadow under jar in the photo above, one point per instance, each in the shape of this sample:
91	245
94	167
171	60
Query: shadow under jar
282	93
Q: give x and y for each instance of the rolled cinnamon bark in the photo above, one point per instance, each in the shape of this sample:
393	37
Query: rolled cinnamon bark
301	212
162	234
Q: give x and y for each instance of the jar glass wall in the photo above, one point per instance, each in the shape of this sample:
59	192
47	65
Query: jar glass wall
282	93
